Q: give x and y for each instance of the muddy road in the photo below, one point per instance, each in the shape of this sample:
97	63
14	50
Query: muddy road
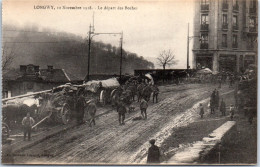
108	142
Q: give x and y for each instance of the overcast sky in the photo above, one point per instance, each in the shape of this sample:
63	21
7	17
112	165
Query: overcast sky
150	28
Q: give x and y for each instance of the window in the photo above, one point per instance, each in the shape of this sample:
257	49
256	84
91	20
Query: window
224	40
253	4
234	41
224	19
204	38
204	19
235	20
235	3
204	2
252	22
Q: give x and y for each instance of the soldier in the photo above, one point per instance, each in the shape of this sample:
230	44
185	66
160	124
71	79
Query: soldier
143	108
223	108
155	93
153	153
232	111
121	109
80	106
201	110
27	123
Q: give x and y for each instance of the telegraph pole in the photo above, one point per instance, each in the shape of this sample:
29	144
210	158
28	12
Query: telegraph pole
89	44
121	56
188	47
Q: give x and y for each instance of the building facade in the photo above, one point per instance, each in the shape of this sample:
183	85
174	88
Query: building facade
30	78
225	35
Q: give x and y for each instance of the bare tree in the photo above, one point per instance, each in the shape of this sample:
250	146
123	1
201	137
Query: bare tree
7	57
166	58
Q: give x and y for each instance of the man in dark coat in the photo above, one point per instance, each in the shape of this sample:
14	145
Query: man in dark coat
153	153
121	109
223	108
80	106
155	93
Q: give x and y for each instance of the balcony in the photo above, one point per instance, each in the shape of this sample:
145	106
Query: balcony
253	29
224	26
204	45
225	6
224	44
250	46
252	10
234	45
235	27
235	8
204	27
204	7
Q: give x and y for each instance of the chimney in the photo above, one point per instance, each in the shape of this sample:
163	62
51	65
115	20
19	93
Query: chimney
50	68
23	68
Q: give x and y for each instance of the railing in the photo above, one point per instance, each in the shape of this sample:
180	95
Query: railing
234	45
252	29
235	7
204	7
204	27
235	27
225	26
224	44
225	6
204	45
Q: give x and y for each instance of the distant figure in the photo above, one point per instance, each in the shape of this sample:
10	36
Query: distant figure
143	108
217	99
7	154
223	107
201	110
212	103
27	123
219	81
153	153
155	93
232	111
121	109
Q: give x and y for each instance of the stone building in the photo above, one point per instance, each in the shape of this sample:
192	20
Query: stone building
30	78
225	34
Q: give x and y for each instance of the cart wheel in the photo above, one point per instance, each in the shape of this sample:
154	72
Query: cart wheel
65	114
5	131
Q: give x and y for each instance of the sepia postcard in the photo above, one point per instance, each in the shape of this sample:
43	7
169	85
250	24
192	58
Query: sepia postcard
130	82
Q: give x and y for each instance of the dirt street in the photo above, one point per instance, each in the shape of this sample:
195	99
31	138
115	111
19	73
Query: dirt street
108	142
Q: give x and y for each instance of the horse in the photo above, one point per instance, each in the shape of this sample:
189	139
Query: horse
146	92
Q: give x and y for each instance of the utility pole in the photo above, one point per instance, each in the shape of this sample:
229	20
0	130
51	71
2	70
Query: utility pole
121	56
89	44
188	47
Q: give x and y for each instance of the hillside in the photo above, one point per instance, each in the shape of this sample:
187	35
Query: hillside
39	46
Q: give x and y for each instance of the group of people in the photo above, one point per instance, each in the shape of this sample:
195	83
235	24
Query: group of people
214	105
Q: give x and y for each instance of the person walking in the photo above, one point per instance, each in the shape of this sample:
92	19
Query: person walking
155	93
201	110
121	109
153	153
143	108
27	123
223	108
80	106
217	100
232	111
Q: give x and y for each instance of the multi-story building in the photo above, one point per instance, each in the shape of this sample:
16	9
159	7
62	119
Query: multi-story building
225	34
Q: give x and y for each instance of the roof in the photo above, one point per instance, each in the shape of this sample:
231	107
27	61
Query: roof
45	75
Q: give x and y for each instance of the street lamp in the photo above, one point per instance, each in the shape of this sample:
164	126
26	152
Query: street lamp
91	34
188	46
